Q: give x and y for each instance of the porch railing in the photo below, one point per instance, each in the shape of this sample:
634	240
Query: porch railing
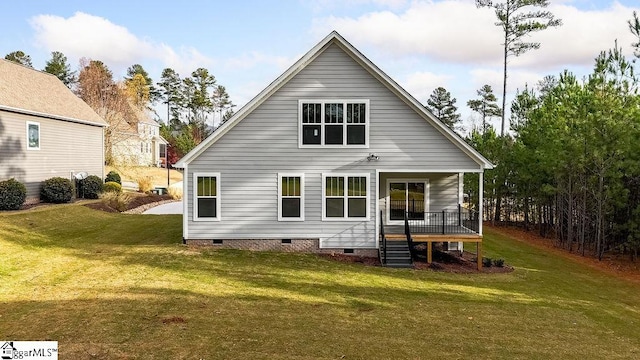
462	221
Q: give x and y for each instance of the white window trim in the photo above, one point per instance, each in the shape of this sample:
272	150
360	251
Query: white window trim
427	199
280	217
322	124
346	197
195	196
39	135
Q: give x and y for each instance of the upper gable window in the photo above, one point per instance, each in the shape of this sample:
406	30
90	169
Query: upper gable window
334	123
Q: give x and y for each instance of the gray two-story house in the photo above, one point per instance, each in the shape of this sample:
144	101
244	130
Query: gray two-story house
323	159
45	130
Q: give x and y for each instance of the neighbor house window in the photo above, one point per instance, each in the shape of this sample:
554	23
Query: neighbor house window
290	197
345	196
334	123
33	135
206	202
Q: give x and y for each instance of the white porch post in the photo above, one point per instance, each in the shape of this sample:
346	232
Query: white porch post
480	201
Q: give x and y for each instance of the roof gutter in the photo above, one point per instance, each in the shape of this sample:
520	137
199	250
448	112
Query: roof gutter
51	116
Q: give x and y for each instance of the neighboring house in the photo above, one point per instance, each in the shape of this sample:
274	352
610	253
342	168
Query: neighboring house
324	156
138	141
45	130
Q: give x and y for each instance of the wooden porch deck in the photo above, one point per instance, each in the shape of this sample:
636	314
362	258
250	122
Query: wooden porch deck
433	234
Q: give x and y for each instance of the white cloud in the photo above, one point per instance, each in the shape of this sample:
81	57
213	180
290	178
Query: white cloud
85	35
422	84
458	32
582	36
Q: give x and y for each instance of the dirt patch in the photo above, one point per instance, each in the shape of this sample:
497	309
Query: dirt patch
174	320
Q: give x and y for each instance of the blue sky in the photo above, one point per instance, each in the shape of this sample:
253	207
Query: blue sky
247	44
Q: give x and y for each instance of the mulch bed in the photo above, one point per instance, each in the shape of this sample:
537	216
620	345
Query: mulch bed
138	200
442	261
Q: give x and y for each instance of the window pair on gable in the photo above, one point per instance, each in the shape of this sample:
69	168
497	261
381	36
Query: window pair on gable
334	123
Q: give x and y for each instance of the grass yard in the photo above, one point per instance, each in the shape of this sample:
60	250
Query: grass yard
133	173
113	286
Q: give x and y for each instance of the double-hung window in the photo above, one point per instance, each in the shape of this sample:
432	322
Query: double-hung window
334	123
345	197
290	197
33	135
206	201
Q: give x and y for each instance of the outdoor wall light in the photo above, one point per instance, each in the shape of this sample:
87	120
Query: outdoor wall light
372	157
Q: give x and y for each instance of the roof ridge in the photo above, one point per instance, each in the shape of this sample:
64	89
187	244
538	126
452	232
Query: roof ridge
28	67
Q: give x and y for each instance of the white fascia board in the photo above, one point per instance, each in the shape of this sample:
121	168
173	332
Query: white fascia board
51	116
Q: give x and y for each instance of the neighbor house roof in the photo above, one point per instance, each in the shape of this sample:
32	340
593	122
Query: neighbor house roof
29	91
335	38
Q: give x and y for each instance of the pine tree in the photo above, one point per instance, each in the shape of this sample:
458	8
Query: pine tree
59	67
221	102
19	57
443	107
516	24
485	106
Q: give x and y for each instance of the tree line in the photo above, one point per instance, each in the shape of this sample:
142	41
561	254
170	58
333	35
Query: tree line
194	103
570	168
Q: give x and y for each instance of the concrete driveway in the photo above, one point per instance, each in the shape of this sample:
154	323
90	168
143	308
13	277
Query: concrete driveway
166	209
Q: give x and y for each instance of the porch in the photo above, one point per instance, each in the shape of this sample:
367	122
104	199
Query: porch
460	227
424	207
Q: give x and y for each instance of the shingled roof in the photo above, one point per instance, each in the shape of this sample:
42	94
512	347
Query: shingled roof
34	92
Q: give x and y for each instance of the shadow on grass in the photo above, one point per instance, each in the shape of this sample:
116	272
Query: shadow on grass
117	239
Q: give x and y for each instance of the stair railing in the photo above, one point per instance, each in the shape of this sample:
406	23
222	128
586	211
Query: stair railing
407	232
383	259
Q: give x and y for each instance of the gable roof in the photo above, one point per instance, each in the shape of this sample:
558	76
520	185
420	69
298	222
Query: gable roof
29	91
335	38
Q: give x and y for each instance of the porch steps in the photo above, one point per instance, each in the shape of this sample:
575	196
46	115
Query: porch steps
398	255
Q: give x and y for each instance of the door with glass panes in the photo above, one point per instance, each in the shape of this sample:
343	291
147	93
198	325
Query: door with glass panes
406	196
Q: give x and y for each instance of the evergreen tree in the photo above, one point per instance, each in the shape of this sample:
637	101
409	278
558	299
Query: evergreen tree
442	105
59	67
485	105
516	23
221	102
19	57
198	96
171	94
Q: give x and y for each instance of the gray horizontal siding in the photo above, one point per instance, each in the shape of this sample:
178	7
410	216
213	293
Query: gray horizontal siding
251	154
64	147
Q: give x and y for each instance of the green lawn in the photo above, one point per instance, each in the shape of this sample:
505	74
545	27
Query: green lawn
113	286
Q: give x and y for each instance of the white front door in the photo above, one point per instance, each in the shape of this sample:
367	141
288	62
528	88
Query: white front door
406	196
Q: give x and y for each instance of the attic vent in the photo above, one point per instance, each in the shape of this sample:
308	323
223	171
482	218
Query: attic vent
348	251
286	241
217	241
